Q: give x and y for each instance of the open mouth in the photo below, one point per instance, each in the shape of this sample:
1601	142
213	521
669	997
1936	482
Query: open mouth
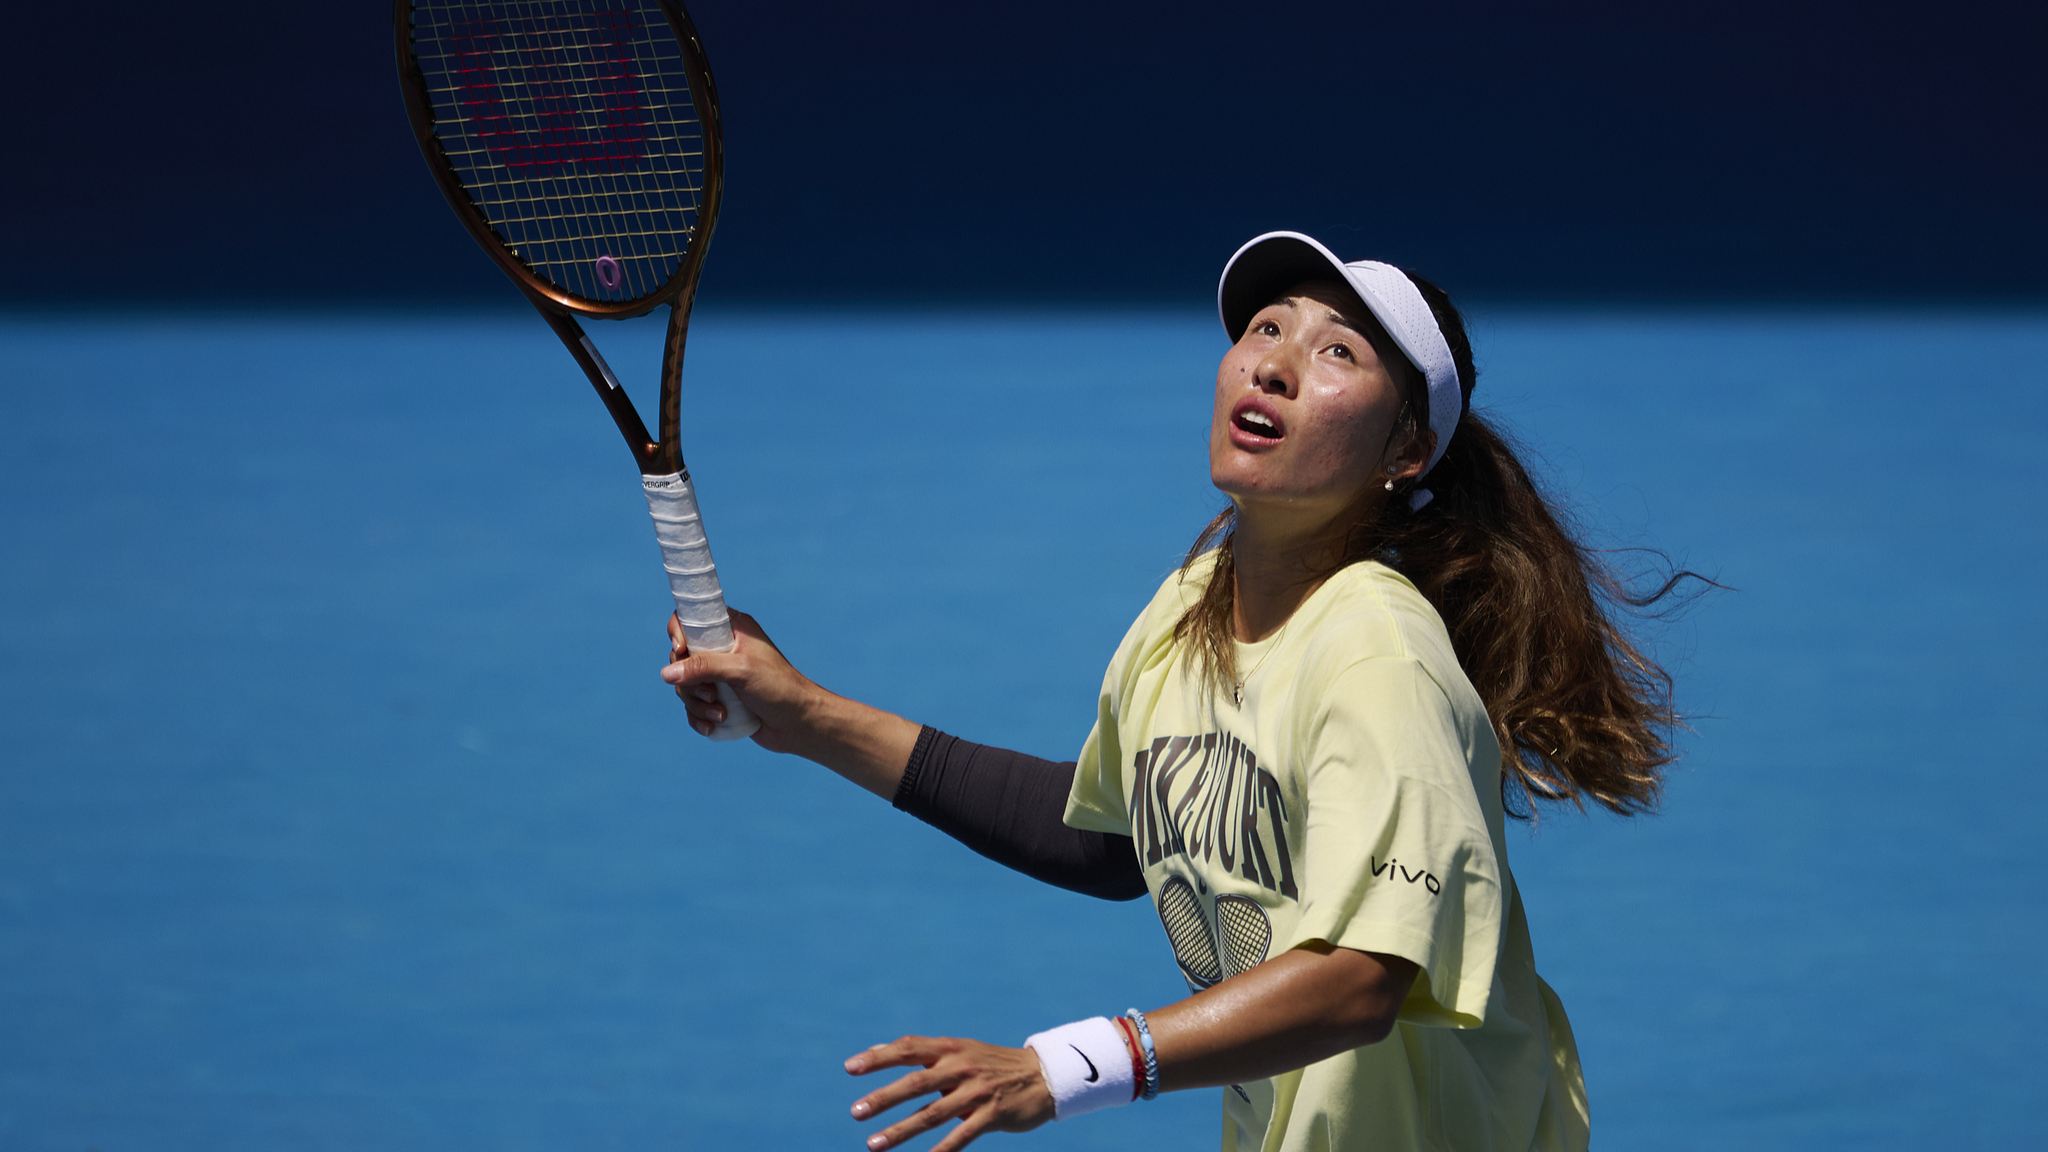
1256	423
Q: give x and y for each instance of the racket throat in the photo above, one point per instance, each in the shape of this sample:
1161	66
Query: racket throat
611	379
647	451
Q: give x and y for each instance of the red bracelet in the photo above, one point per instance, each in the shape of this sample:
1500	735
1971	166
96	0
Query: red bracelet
1124	1028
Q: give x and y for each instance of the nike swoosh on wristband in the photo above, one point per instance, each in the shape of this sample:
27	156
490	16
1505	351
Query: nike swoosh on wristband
1093	1075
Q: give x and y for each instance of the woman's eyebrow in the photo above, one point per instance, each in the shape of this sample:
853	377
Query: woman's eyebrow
1339	317
1348	322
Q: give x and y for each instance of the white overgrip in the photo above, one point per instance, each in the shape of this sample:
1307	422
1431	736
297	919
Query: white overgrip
693	579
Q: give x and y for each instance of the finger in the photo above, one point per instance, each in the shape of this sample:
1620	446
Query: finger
706	668
908	1088
898	1053
703	702
917	1123
971	1128
712	714
678	644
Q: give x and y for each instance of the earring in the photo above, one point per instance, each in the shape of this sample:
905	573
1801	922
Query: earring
1390	479
1390	485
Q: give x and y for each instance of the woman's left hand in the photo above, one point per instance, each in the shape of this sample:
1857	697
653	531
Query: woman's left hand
987	1088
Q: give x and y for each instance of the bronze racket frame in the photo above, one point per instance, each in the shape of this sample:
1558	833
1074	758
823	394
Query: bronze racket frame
656	456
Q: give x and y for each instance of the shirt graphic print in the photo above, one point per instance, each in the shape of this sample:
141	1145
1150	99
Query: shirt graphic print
1206	801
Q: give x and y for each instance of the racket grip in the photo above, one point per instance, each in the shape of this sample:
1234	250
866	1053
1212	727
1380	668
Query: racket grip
693	579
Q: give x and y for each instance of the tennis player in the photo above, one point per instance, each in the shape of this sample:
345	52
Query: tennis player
1304	752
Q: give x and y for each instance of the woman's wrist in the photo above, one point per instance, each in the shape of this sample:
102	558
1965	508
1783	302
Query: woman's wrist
1086	1066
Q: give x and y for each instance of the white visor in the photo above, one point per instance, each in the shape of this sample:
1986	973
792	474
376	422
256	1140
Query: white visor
1273	263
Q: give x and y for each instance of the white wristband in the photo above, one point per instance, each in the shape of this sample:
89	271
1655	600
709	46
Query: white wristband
1087	1065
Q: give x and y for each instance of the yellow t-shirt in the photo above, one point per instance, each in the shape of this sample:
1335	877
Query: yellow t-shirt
1353	798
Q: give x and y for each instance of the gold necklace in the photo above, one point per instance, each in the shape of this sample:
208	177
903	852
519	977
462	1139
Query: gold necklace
1237	690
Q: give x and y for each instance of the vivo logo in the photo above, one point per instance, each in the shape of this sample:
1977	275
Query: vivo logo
1393	869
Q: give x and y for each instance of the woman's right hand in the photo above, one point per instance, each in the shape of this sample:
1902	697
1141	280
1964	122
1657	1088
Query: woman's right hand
758	673
866	745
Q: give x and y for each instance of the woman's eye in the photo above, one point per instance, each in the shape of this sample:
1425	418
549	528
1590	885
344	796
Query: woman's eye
1268	327
1342	350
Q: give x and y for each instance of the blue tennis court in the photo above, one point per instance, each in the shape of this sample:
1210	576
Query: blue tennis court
341	807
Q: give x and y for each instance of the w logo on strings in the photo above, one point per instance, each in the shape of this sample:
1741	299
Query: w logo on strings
566	94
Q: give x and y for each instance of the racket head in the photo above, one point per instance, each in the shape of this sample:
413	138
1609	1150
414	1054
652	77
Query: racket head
578	141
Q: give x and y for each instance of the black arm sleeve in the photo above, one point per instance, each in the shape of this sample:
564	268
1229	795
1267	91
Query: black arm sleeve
1010	807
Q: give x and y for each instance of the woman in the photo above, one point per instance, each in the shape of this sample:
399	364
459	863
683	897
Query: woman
1299	754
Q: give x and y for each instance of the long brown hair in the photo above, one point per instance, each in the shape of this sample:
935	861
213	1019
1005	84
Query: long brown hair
1580	709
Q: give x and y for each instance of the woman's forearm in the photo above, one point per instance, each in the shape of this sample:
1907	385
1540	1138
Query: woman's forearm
864	744
1304	1005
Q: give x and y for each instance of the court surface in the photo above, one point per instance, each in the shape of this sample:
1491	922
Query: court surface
340	806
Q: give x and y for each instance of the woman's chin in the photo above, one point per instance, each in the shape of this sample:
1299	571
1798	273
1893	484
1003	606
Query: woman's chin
1238	488
1236	472
1254	480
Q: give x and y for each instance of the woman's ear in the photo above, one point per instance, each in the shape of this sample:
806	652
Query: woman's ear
1409	460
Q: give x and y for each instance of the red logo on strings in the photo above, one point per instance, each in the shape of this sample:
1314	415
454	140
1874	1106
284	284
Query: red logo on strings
544	96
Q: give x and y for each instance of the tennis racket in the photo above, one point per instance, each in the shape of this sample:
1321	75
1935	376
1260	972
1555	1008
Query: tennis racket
578	142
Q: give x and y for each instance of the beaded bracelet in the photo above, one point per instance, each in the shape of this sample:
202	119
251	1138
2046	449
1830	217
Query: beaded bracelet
1151	1054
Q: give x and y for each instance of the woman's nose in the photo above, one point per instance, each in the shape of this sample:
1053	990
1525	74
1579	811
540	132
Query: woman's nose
1277	374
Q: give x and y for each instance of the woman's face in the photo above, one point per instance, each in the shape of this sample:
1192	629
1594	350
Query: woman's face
1304	409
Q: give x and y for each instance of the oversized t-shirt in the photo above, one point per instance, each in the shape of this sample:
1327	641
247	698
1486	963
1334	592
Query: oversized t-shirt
1352	798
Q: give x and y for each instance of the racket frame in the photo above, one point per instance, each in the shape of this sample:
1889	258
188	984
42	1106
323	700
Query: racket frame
659	454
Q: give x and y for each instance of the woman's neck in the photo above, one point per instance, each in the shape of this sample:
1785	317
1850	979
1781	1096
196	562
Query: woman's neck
1278	561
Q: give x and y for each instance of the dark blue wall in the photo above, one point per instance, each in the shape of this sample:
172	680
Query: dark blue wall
1096	149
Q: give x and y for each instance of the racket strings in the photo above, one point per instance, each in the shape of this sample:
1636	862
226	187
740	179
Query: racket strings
1187	931
573	127
1246	932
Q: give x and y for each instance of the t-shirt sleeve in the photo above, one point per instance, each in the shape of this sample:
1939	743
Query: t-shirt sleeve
1097	802
1397	858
